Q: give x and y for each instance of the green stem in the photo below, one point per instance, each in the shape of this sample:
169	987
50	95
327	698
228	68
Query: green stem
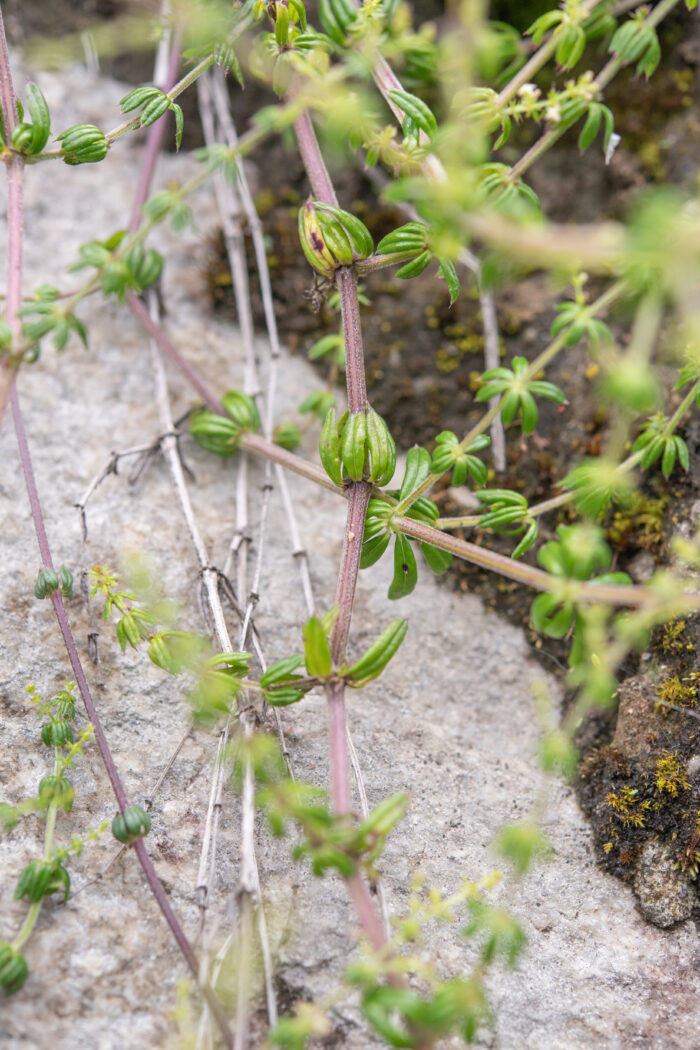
610	70
381	262
539	59
33	913
181	86
589	593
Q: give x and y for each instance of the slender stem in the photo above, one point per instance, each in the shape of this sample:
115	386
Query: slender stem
181	86
530	576
609	71
27	926
15	216
93	716
349	567
358	499
321	185
156	332
532	66
182	941
346	283
33	913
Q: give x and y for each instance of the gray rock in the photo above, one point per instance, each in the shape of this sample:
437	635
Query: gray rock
664	893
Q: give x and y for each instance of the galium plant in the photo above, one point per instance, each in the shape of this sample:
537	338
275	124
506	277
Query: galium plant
464	204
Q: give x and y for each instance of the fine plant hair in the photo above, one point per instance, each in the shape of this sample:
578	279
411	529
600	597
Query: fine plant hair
470	216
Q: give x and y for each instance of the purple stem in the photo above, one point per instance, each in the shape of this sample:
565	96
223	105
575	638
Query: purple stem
340	774
360	493
316	170
346	283
57	600
105	753
358	498
13	303
139	311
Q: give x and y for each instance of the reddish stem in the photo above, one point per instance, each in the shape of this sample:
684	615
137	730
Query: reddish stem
340	775
105	753
139	311
346	283
316	170
349	567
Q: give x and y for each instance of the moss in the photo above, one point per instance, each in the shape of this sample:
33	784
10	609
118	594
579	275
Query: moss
671	777
627	808
672	640
681	693
640	523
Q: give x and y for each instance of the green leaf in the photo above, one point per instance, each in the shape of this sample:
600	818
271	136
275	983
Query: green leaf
438	560
416	109
373	661
373	548
449	272
417	470
405	569
316	648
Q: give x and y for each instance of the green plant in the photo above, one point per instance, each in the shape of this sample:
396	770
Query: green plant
458	194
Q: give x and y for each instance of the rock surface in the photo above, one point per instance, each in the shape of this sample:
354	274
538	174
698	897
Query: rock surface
453	721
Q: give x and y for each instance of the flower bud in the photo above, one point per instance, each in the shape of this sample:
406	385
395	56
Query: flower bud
58	790
13	968
313	242
215	433
381	448
46	583
242	409
329	448
83	144
145	266
353	445
57	733
130	825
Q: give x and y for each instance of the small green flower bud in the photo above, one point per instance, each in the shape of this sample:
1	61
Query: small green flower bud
242	409
287	435
83	144
215	433
66	578
355	230
57	733
13	968
313	242
58	790
353	445
40	879
145	266
46	583
130	825
22	136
